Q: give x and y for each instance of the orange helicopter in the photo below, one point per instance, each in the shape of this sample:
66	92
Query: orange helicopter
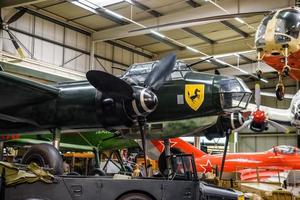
277	43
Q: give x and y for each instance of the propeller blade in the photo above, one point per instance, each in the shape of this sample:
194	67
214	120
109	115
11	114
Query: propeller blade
278	126
16	16
1	20
16	45
257	95
245	124
158	75
109	84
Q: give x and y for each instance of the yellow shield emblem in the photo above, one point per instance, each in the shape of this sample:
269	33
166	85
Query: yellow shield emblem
194	95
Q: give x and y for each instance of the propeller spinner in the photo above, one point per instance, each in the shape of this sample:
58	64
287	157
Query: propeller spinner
258	120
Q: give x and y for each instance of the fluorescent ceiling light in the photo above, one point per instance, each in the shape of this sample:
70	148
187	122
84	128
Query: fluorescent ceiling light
240	20
89	4
105	2
192	49
77	3
264	80
113	13
158	34
221	61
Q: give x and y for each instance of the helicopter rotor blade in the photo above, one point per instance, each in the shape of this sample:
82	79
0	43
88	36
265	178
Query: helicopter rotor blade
197	20
158	75
257	95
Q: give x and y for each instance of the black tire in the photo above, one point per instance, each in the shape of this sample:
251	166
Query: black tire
135	196
45	155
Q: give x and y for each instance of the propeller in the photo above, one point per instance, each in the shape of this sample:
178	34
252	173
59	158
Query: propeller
258	120
139	101
5	26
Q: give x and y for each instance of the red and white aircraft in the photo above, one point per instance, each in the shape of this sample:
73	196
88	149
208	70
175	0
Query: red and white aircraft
277	160
262	116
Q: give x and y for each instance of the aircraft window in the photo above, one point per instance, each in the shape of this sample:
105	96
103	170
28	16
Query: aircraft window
287	25
285	149
234	94
260	34
176	75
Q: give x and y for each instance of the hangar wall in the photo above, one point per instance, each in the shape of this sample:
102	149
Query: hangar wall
58	45
263	142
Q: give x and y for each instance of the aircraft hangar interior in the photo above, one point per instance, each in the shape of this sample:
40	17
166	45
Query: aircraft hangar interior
144	99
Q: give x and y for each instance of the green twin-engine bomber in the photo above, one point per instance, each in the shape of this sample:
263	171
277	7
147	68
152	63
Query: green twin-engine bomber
155	91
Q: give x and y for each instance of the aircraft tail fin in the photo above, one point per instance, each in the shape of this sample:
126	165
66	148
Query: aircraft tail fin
156	147
16	91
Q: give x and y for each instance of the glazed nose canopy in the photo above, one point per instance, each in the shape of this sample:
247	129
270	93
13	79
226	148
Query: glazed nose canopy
145	102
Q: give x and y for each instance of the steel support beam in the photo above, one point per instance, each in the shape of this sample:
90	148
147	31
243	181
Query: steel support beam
193	3
235	29
207	10
199	35
146	8
171	44
245	58
66	25
66	46
17	3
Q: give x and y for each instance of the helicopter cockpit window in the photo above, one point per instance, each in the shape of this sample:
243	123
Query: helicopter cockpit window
260	34
235	95
287	25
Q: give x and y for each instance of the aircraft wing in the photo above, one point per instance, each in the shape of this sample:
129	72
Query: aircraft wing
25	141
276	114
265	175
15	91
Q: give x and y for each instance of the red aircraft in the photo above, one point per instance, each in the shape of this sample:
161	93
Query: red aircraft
268	164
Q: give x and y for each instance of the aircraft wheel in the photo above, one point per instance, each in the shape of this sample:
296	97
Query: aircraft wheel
135	196
44	155
280	92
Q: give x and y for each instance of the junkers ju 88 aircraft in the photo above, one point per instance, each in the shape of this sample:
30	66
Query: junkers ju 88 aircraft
153	92
158	91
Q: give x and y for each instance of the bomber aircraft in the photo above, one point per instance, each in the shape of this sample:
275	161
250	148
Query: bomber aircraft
147	92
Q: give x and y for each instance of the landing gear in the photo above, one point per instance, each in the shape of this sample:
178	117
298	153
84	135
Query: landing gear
279	91
259	58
